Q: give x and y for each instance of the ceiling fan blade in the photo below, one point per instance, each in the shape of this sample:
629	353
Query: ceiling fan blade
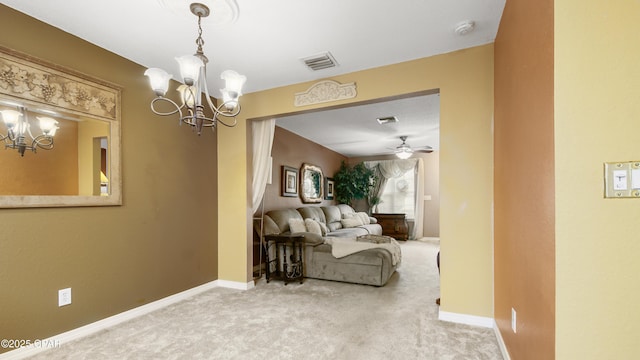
427	151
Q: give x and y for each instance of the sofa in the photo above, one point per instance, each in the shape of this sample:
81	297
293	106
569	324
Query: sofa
371	266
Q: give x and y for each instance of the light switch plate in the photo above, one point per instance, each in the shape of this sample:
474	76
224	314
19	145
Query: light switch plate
622	179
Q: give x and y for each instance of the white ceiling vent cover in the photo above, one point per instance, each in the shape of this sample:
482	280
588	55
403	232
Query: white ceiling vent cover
387	120
320	61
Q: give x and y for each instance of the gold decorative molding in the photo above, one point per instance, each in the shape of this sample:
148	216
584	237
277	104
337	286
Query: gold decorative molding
325	91
23	79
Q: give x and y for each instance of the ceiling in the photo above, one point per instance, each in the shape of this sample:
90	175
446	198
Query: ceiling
267	40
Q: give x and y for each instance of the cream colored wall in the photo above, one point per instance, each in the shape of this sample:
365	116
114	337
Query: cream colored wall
597	119
465	80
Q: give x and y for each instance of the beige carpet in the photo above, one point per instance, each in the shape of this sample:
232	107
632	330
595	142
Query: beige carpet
315	320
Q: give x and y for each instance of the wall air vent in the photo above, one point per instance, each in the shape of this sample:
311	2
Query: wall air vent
320	61
387	120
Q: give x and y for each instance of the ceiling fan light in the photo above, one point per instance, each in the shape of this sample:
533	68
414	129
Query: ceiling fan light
404	153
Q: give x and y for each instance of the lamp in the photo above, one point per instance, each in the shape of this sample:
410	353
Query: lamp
18	128
193	70
404	153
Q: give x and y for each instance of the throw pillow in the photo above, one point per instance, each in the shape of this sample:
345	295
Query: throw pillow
354	216
352	222
323	228
297	225
312	226
365	217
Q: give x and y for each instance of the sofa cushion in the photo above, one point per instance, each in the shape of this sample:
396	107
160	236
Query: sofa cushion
333	217
297	225
313	226
349	232
270	226
364	217
312	212
351	222
281	218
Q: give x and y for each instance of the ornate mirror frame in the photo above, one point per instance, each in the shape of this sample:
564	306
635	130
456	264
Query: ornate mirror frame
311	184
33	82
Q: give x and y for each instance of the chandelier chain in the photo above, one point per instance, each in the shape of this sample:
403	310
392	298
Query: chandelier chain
199	40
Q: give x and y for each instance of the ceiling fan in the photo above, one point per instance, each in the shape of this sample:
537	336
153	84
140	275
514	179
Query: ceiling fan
404	151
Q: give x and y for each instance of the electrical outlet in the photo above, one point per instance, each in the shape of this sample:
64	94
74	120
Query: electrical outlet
513	320
64	297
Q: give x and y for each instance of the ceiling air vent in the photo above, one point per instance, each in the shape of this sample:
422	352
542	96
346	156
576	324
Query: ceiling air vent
320	61
387	120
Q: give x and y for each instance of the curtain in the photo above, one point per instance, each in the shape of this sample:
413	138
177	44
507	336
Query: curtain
378	186
419	215
387	169
262	137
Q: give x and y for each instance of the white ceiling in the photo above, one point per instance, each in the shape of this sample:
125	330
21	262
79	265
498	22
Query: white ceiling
266	40
354	131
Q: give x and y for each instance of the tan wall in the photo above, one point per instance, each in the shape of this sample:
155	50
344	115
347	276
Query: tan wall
524	179
597	112
162	240
466	162
46	172
292	150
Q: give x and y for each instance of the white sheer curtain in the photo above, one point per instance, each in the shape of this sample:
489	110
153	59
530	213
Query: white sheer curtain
388	169
418	227
262	133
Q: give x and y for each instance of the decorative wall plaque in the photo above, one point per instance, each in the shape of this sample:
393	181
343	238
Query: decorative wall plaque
325	91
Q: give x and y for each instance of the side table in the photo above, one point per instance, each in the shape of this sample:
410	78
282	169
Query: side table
284	259
394	225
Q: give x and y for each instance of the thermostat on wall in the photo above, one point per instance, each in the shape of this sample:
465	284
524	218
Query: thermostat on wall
622	179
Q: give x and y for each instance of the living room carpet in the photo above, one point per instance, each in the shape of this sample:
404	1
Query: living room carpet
314	320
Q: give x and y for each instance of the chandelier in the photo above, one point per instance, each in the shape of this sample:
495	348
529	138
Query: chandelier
193	72
19	134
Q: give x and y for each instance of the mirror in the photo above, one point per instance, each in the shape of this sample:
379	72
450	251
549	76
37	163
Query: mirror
311	184
75	164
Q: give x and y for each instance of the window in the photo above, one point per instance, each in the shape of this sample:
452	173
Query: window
398	195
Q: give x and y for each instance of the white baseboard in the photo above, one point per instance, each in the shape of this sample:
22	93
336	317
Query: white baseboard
501	344
466	319
236	285
114	320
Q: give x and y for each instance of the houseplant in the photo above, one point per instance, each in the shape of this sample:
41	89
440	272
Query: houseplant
352	183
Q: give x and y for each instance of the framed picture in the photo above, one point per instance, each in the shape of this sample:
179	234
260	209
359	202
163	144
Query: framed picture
289	181
328	187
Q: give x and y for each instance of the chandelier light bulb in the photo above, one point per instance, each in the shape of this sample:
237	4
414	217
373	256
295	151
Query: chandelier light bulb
10	117
48	125
233	83
159	80
188	95
190	68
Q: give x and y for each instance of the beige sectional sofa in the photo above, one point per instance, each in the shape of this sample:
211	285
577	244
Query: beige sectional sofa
371	267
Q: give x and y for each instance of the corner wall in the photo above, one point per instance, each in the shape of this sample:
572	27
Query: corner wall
161	241
524	249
